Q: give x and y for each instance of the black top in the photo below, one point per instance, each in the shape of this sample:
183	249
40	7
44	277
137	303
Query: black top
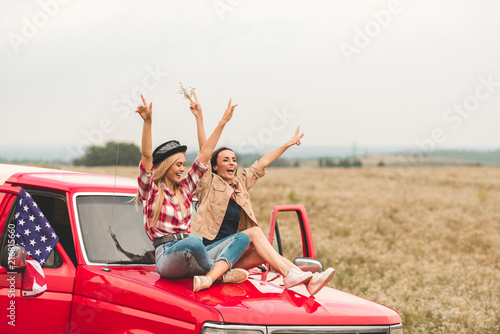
229	224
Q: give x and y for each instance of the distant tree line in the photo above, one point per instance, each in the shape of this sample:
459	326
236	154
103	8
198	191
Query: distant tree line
346	162
281	162
128	155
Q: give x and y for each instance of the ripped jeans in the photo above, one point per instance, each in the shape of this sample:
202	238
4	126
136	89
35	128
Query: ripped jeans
189	257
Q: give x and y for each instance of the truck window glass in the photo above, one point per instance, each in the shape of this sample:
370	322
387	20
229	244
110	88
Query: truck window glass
290	234
121	241
55	209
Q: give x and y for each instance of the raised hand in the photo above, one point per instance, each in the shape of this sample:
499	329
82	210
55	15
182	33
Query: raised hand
272	156
195	106
145	111
228	114
208	147
296	138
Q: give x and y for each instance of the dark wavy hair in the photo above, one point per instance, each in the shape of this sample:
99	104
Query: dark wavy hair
215	155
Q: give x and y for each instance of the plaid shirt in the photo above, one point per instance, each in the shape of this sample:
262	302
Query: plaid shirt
170	220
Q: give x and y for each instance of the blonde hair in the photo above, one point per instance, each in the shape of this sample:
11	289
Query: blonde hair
159	173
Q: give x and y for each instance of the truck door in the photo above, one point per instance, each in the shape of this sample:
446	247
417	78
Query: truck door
292	237
48	312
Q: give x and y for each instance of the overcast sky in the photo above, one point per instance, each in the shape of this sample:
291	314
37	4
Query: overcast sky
423	74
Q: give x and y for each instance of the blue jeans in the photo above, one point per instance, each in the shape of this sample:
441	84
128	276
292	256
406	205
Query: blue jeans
189	257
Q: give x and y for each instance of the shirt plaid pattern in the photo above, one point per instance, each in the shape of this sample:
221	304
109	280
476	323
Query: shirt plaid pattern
170	220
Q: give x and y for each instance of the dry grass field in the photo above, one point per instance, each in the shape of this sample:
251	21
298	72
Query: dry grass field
424	241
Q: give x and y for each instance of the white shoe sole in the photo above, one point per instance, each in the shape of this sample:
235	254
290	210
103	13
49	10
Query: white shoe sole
322	285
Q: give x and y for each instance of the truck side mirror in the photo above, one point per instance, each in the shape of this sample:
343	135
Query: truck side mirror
308	264
13	258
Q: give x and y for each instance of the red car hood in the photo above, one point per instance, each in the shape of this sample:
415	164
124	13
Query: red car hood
261	300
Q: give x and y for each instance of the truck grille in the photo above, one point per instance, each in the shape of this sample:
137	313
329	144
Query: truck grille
233	328
329	329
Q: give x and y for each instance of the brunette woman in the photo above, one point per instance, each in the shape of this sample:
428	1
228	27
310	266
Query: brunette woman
225	209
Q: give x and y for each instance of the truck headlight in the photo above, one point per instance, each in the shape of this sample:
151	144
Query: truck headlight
211	328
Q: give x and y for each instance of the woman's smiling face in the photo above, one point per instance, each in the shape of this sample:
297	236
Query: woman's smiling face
174	173
226	165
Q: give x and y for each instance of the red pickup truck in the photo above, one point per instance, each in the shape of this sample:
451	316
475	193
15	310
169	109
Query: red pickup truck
101	276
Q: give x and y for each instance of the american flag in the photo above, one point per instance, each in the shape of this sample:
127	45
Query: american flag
34	233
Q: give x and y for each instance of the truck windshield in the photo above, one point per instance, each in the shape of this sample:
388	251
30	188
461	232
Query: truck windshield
112	230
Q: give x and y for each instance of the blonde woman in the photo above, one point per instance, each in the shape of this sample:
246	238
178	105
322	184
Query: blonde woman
167	200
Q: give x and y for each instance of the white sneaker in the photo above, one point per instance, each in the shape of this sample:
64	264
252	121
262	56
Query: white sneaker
319	280
237	275
295	277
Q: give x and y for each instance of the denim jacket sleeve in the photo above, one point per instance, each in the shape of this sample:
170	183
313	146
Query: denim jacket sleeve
251	175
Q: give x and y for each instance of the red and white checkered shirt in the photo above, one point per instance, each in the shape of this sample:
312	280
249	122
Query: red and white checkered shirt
170	220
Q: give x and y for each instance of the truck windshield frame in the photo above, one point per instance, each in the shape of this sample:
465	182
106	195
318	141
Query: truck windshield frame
110	229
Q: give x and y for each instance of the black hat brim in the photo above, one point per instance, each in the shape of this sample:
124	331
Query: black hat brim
160	157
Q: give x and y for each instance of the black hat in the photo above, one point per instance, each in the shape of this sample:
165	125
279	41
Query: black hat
167	149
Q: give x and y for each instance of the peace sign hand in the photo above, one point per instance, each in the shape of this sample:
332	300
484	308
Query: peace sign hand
296	138
144	111
228	114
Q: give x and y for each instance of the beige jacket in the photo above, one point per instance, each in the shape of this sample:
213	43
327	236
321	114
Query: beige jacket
213	197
